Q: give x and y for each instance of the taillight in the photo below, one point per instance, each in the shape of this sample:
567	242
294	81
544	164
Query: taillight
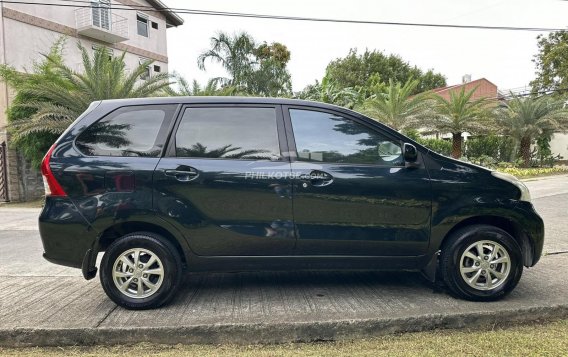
52	187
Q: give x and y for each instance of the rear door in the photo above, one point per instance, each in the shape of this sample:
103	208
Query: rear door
353	194
225	183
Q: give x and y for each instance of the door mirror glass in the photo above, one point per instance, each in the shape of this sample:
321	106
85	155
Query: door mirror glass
389	151
410	153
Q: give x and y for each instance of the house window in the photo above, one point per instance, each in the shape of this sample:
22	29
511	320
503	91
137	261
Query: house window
101	13
157	69
154	25
146	74
142	25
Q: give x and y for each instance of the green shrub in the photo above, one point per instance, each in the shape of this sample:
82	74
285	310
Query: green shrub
440	146
500	148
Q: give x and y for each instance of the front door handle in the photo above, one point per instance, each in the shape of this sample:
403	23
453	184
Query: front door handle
184	175
317	178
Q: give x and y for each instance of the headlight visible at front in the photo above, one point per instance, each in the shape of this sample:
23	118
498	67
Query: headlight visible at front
525	194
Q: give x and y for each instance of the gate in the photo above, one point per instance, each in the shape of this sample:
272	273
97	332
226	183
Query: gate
3	174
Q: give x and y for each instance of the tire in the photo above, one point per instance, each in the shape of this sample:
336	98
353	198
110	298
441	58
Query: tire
486	276
144	288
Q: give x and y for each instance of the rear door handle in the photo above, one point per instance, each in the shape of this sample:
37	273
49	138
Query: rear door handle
183	175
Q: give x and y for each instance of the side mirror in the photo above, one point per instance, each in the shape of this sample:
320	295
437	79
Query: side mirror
410	153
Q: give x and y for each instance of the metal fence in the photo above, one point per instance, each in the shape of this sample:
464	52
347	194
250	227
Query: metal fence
103	18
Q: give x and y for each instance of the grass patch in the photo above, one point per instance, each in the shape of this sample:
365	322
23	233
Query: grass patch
534	171
547	339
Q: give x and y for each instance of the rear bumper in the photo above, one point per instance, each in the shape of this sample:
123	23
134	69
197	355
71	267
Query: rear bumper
65	234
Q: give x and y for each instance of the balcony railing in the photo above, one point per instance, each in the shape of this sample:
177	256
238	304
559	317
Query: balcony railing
100	23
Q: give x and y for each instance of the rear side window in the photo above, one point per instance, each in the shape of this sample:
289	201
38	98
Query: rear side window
230	133
128	131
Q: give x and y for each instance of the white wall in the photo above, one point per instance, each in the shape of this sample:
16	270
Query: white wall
559	145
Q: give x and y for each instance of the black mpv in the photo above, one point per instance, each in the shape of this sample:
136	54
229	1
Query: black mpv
169	185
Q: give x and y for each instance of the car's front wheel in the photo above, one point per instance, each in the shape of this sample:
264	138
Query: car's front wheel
141	270
481	263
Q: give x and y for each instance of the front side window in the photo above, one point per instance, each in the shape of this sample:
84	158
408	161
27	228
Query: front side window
142	25
326	137
229	133
128	131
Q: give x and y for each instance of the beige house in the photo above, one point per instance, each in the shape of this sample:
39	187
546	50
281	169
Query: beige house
136	27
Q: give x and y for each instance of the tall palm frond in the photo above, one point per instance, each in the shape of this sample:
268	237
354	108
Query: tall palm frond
397	107
459	114
56	94
525	119
234	53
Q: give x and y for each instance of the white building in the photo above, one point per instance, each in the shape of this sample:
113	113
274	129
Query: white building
137	27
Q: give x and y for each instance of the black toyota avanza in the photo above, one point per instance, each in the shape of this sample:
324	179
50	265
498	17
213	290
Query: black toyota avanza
165	186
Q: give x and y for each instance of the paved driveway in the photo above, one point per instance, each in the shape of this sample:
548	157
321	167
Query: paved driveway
35	294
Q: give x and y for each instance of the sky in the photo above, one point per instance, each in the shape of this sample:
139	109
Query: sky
503	57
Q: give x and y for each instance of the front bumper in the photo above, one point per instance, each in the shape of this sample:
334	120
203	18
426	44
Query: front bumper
533	228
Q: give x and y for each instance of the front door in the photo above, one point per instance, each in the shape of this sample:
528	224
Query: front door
353	194
225	183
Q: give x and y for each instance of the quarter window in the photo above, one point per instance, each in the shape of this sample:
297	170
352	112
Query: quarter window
128	131
229	133
326	137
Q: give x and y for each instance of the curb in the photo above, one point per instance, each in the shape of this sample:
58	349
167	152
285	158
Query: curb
275	333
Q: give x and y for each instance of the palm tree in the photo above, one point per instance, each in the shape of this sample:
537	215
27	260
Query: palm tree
236	55
459	114
526	119
398	108
212	88
52	105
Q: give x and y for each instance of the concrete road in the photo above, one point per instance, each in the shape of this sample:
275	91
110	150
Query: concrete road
42	303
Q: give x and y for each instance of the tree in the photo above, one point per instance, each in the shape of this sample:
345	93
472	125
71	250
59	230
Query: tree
527	119
256	70
328	92
53	95
212	88
356	70
459	114
551	63
396	107
34	146
270	77
234	53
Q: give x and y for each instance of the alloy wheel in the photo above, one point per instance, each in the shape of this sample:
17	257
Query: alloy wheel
485	265
138	273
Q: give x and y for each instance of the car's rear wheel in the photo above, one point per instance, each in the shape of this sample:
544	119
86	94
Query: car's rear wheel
481	263
141	270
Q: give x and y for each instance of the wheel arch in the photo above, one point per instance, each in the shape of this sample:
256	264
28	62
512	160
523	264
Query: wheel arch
508	225
120	229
